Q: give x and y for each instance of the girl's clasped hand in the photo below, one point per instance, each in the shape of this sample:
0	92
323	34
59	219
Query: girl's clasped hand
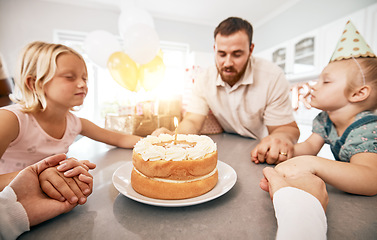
70	181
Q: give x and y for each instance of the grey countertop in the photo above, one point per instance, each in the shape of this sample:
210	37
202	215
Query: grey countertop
245	212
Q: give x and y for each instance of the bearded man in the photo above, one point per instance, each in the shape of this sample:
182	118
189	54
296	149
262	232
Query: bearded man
248	96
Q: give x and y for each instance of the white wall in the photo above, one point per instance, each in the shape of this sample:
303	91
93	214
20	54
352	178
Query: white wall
303	17
23	21
200	37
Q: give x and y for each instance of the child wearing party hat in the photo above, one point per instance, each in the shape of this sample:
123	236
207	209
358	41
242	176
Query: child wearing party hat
346	92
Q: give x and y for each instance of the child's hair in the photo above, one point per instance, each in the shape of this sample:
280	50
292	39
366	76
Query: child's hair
37	60
369	69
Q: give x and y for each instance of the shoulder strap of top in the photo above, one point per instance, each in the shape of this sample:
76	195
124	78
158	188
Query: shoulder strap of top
339	143
362	121
328	125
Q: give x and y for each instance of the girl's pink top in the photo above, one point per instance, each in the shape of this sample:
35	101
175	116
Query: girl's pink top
33	143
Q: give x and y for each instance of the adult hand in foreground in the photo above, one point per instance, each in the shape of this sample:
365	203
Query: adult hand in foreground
38	206
305	181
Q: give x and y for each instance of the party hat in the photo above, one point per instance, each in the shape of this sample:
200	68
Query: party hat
351	43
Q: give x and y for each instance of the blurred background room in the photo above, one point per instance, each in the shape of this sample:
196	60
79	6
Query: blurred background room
143	55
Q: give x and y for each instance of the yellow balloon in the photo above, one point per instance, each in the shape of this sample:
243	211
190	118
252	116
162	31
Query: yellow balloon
124	70
160	54
152	73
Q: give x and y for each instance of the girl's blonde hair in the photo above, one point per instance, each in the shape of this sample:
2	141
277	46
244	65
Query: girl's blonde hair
369	70
38	61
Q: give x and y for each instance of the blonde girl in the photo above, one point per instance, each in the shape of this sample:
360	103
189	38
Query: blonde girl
52	80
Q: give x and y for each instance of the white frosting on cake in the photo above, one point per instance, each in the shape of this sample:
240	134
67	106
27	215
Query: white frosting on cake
175	153
191	146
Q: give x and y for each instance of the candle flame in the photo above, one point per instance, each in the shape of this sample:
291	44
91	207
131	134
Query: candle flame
175	122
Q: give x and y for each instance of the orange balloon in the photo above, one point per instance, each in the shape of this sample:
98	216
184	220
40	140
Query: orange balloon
124	70
152	73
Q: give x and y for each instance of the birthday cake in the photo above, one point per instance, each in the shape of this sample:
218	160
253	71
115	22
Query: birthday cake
169	167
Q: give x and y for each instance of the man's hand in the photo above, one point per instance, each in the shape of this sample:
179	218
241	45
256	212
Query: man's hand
278	146
273	149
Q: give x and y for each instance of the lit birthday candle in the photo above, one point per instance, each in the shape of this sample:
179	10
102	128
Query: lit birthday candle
176	127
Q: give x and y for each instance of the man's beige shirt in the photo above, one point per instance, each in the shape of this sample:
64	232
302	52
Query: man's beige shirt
259	99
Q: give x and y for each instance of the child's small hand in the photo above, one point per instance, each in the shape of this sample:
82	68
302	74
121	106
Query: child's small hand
296	166
74	185
72	167
75	168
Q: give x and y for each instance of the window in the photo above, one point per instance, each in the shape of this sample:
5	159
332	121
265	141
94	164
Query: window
279	57
106	96
304	56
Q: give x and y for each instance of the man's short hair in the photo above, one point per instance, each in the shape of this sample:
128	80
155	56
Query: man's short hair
232	25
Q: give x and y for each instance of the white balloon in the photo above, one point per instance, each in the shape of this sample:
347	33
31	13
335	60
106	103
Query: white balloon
141	43
131	16
99	45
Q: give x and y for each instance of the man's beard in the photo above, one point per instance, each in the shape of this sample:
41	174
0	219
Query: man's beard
231	80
